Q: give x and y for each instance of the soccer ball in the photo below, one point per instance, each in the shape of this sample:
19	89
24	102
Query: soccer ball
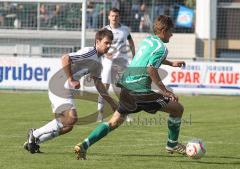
195	149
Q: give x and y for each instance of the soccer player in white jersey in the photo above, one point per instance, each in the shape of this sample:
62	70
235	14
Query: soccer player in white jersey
86	61
117	54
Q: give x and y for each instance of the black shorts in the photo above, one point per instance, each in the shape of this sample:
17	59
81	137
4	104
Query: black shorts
133	102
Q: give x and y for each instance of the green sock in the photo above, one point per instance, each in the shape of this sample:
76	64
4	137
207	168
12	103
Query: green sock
98	133
174	124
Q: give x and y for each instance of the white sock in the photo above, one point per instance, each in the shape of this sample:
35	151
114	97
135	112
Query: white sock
46	137
52	129
100	103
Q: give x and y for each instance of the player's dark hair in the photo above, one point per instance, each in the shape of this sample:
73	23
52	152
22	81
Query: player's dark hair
102	33
114	10
162	22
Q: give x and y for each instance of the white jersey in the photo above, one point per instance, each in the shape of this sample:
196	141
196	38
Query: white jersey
119	43
84	61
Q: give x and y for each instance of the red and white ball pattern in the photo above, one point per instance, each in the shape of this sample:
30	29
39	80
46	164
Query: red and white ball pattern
195	149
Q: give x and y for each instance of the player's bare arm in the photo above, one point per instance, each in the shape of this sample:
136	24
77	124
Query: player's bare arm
132	47
153	73
103	92
174	63
66	64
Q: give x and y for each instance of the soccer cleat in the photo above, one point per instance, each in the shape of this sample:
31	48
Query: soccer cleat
31	145
37	149
80	152
179	148
25	146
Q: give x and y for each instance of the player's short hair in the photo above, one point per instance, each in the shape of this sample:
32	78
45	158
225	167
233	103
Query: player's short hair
162	22
102	33
115	10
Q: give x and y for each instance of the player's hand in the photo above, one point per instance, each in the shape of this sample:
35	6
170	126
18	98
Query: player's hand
178	64
171	95
75	84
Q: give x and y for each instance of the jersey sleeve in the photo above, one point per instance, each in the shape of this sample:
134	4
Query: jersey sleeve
157	58
73	55
81	54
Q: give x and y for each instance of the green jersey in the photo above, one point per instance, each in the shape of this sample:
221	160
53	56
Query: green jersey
152	52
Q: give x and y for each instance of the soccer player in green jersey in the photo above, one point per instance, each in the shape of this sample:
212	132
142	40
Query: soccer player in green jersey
136	93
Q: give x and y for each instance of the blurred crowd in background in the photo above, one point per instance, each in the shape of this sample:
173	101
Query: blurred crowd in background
137	14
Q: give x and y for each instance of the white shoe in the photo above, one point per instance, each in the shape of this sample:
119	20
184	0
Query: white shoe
129	118
100	117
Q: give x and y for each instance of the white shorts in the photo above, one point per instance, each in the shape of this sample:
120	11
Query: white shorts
108	74
60	104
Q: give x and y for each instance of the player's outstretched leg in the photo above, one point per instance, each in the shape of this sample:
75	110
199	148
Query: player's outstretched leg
63	123
98	133
37	136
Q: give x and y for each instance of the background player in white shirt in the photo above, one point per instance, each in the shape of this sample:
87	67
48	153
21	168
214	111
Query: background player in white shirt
117	54
86	61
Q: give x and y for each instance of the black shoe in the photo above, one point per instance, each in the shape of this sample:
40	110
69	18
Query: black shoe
38	149
25	146
31	145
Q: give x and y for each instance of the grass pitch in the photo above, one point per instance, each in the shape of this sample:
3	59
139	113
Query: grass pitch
139	145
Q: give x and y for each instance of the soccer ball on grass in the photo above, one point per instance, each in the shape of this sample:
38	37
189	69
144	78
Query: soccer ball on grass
195	149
